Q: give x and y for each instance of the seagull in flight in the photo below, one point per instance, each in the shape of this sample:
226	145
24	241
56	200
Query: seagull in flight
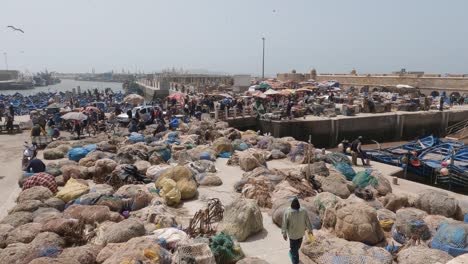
16	29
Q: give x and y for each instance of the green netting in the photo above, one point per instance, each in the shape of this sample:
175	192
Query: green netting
346	170
364	178
336	157
224	249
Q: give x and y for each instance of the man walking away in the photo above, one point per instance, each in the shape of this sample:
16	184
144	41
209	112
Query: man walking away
295	222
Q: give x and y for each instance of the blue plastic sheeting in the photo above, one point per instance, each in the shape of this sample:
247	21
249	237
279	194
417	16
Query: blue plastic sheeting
136	137
399	237
174	123
226	155
90	147
172	138
205	156
165	154
451	238
77	153
392	249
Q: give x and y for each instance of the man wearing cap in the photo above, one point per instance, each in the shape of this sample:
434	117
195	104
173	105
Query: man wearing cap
295	223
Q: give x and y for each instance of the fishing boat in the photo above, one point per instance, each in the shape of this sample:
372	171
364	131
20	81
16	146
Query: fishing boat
13	80
427	157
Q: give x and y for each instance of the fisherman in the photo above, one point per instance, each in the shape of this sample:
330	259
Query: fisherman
427	103
133	126
77	128
129	113
9	123
288	109
11	108
357	152
441	103
35	166
295	223
36	130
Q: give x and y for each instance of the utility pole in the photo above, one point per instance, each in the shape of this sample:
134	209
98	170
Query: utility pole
263	59
6	60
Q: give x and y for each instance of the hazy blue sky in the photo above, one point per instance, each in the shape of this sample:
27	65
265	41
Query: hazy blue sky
219	35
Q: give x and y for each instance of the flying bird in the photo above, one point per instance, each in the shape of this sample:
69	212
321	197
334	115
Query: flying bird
16	29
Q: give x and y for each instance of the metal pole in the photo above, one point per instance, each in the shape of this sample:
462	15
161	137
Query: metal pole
6	60
263	60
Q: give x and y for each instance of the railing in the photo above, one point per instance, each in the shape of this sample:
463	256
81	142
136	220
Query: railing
232	113
458	127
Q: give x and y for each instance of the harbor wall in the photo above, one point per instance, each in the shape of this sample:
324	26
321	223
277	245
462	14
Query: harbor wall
386	127
426	83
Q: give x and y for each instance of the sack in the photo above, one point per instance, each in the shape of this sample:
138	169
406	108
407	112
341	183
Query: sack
72	190
90	147
170	192
174	123
76	154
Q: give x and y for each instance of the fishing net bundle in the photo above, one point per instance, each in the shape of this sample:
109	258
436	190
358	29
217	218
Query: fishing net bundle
305	190
299	154
225	250
451	238
351	259
336	157
346	170
259	190
364	179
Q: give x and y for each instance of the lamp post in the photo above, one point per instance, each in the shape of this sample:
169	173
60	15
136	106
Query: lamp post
263	59
6	60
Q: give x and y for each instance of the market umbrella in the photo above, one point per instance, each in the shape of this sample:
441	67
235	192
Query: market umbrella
134	99
265	85
54	106
303	90
285	92
177	96
225	95
271	92
404	86
89	108
75	116
259	95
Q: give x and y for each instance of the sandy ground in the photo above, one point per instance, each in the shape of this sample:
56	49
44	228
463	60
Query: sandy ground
11	153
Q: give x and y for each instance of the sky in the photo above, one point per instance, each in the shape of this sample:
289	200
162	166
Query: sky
332	36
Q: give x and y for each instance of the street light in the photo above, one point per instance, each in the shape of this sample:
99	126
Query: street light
263	59
6	60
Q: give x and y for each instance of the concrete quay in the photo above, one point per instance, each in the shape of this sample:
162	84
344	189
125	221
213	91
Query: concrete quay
383	127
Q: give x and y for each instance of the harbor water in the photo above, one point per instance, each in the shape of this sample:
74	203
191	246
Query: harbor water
68	85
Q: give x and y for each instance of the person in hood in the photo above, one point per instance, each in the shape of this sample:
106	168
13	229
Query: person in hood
295	223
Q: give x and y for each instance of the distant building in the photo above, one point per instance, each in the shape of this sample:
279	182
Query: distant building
6	75
241	82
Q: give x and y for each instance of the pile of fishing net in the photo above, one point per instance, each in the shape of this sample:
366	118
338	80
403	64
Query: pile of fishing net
452	238
225	249
345	169
336	157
